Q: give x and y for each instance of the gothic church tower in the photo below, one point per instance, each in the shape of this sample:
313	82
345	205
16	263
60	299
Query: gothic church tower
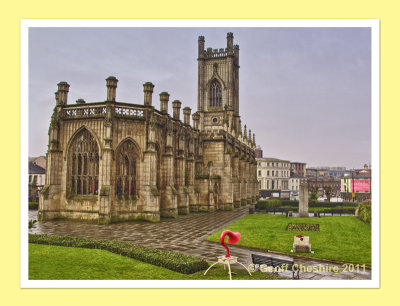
114	161
218	86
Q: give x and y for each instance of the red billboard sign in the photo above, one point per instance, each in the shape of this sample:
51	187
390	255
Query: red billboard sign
360	185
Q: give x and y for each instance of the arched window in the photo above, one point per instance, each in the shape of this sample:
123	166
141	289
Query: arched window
84	165
215	94
125	183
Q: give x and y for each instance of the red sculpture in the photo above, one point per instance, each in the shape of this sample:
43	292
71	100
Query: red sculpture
227	259
232	239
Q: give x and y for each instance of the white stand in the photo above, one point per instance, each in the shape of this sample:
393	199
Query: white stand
227	261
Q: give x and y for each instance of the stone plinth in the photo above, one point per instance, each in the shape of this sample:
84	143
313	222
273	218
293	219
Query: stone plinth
302	244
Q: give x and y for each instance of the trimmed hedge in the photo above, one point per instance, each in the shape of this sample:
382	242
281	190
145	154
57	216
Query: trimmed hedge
290	203
262	204
33	205
346	210
348	207
332	204
167	259
274	202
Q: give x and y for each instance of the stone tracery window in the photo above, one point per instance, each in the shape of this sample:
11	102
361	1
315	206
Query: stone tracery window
215	94
84	169
126	170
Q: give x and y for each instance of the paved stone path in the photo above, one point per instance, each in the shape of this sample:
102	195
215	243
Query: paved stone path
185	234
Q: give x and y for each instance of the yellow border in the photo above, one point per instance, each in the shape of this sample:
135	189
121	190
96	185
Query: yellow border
11	14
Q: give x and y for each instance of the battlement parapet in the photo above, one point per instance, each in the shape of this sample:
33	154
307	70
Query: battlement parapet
213	53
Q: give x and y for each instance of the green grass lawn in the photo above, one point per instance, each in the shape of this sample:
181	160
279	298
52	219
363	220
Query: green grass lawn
56	262
345	239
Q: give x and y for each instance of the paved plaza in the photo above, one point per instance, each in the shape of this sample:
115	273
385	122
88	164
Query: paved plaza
185	234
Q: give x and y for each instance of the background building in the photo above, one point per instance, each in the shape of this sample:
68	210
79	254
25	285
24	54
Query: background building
294	186
297	173
324	186
273	177
40	161
297	168
280	178
259	152
37	175
336	172
356	185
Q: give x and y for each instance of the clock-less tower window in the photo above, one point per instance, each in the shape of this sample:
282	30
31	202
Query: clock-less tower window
215	94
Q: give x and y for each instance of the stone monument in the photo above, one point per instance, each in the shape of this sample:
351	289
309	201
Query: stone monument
303	201
302	244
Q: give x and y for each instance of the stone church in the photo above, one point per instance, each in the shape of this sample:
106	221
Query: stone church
111	161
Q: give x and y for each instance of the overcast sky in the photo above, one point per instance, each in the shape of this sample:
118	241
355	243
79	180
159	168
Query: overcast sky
305	92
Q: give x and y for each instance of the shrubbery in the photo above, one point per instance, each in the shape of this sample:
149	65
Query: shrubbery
33	205
345	210
348	207
364	212
313	197
31	223
274	202
167	259
333	204
290	203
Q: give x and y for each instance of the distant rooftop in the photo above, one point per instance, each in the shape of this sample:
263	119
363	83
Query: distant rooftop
272	159
35	169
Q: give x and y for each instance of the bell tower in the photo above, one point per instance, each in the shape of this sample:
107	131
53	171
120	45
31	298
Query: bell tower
218	86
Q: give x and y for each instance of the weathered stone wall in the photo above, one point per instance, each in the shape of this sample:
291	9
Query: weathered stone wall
167	184
179	168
